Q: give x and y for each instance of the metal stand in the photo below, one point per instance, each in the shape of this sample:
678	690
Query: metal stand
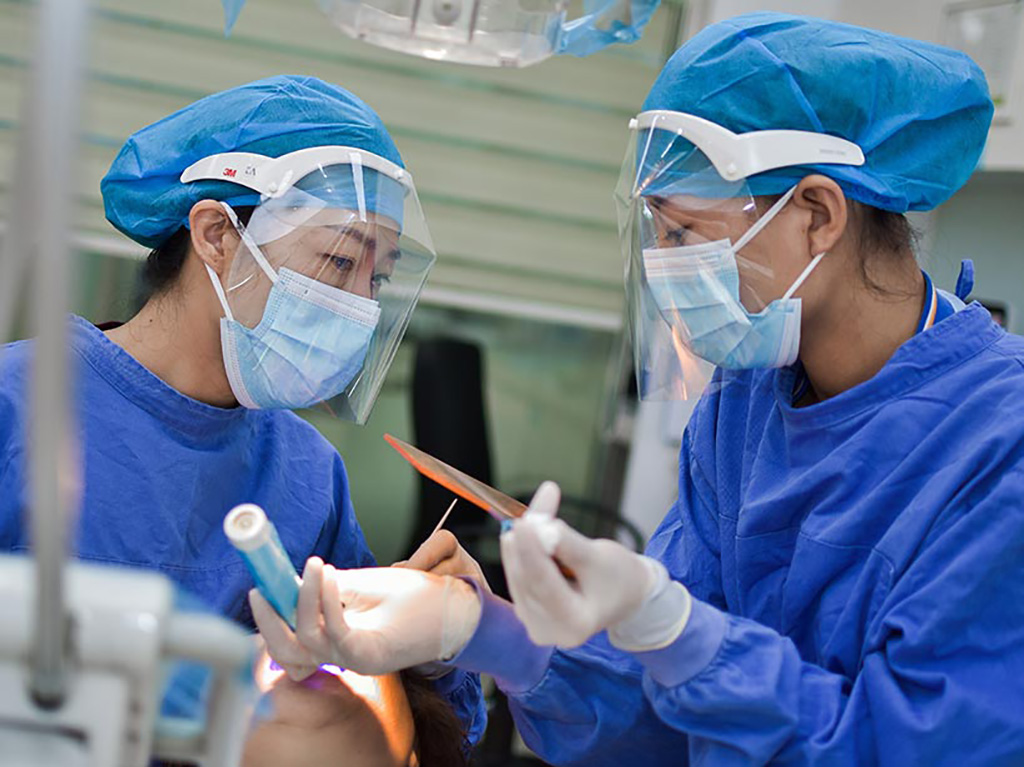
83	648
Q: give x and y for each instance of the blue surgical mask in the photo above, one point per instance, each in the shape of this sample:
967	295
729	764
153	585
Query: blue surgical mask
308	347
697	288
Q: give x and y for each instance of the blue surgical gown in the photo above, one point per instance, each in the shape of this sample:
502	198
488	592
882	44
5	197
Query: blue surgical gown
858	573
161	470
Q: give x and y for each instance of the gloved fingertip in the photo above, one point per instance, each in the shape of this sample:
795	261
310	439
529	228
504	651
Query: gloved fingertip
549	534
545	501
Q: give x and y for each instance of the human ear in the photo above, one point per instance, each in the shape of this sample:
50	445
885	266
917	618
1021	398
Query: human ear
823	198
214	238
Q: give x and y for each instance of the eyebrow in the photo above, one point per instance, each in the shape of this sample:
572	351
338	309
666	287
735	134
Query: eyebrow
371	242
668	210
350	232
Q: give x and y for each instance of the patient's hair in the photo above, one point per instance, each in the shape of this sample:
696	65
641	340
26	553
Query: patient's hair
440	739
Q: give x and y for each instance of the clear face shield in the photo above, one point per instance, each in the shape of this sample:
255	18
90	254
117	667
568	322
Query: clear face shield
320	290
702	289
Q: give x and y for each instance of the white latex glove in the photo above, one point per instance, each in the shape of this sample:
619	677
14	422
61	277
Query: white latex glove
372	621
610	586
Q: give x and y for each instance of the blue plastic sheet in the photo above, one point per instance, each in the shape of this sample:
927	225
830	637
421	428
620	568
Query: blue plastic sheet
604	23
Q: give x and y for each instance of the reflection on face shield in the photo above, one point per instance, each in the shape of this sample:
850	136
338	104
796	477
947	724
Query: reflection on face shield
340	251
697	286
689	220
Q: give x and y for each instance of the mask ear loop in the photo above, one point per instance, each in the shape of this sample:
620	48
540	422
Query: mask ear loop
762	222
803	276
250	243
218	288
766	219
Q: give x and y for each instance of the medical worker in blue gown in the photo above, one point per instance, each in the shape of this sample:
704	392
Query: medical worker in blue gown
841	580
288	249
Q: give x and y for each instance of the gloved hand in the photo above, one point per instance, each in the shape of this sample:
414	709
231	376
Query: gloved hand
613	588
372	621
442	554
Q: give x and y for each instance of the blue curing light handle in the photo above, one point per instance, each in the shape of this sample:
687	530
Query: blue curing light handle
256	539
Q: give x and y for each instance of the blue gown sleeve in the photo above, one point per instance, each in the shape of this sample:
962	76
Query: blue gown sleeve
584	706
938	682
462	690
11	482
589	709
587	706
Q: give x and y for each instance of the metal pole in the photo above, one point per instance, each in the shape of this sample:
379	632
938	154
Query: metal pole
51	132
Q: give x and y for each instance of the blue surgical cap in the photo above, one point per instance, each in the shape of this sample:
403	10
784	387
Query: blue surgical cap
920	112
142	194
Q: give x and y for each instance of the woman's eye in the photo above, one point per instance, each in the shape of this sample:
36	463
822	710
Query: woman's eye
677	236
340	263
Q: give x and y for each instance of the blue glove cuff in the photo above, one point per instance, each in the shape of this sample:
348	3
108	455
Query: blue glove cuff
501	647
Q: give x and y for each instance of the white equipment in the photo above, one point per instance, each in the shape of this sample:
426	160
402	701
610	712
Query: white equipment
123	634
83	648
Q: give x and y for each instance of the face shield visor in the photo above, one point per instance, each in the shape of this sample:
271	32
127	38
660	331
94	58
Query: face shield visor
702	290
320	290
